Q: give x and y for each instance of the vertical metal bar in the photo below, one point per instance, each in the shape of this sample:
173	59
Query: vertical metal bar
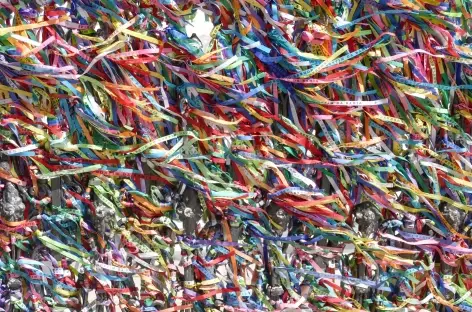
279	216
190	211
56	192
367	219
235	229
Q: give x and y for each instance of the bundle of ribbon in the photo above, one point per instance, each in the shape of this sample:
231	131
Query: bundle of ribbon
311	155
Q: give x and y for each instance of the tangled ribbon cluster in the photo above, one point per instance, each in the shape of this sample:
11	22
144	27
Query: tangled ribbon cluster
310	155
